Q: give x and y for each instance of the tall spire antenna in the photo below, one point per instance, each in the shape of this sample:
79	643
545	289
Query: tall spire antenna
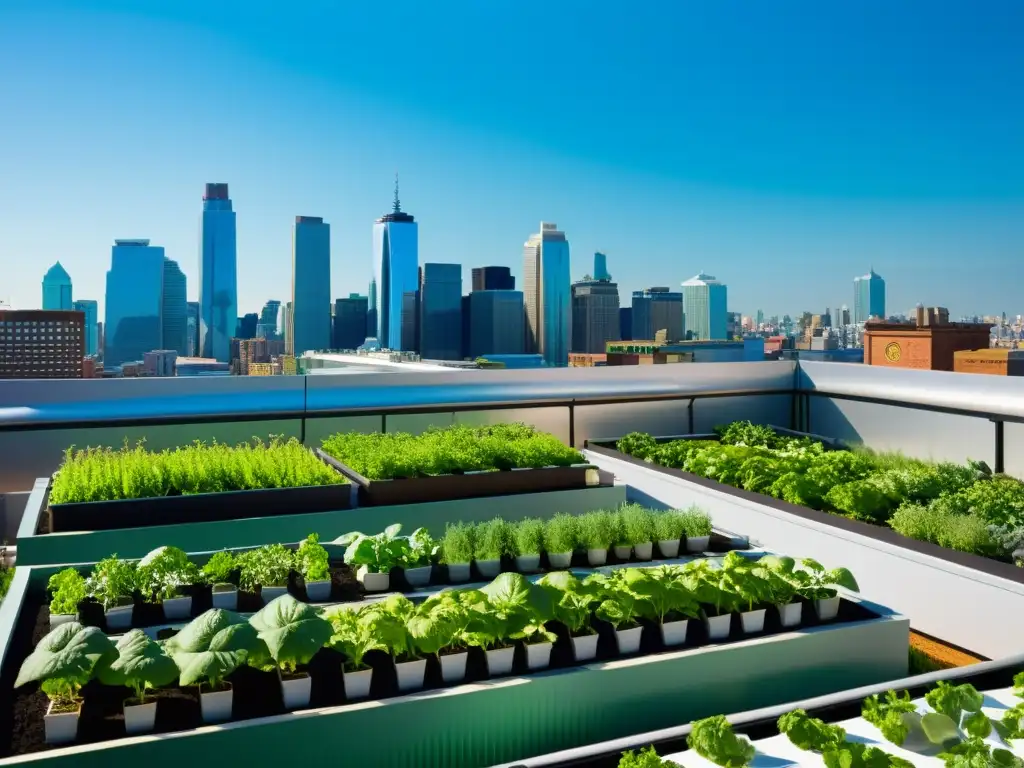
398	206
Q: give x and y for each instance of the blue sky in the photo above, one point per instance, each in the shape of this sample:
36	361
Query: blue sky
784	147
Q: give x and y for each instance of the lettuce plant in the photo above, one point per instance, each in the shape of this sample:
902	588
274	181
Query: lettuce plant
638	444
618	604
212	646
266	566
571	601
389	622
507	609
855	754
112	582
663	593
712	587
529	536
749	580
67	589
887	713
353	636
164	572
713	739
645	758
423	549
458	544
64	661
292	631
312	560
141	664
561	534
810	733
378	553
492	540
221	568
441	623
976	752
783	582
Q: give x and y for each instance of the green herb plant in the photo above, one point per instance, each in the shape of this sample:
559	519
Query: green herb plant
529	536
493	540
713	739
458	544
663	593
352	636
423	549
572	601
112	582
220	569
696	523
669	525
312	560
164	573
618	604
266	566
636	525
67	589
562	534
596	529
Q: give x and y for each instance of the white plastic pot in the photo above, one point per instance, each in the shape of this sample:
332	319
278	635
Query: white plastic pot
538	655
139	718
597	556
669	548
674	632
373	582
718	626
227	599
177	608
753	621
216	705
60	728
697	543
499	661
458	573
791	614
411	674
644	551
453	667
828	608
357	684
56	619
584	647
628	640
318	591
623	553
272	593
418	577
120	616
528	563
489	569
296	691
560	559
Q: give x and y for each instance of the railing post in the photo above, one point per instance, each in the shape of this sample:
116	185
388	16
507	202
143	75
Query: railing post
572	425
689	415
999	467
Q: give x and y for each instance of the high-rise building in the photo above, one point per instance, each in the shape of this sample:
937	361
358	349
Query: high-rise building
493	279
160	362
311	285
134	302
657	309
267	327
601	268
90	311
705	308
498	323
175	309
247	326
250	352
41	344
57	288
192	310
868	297
595	315
626	323
350	321
372	317
396	250
218	281
286	329
440	302
546	295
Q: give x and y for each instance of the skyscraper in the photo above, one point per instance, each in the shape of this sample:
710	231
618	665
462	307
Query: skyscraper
657	309
90	312
498	326
350	321
286	329
192	342
311	285
175	309
705	308
57	289
396	250
493	279
868	297
595	315
218	283
134	302
546	294
267	327
372	325
601	267
440	304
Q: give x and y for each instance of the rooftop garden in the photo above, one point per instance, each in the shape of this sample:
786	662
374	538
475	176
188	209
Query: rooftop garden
960	507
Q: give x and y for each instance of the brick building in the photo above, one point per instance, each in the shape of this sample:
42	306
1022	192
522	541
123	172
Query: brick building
994	362
41	344
929	347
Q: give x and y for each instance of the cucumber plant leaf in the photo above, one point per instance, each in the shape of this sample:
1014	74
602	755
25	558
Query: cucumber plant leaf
293	631
214	645
141	663
70	652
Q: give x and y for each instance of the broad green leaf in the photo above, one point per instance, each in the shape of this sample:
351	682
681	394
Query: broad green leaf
199	633
842	577
213	646
293	631
978	724
140	662
939	728
69	652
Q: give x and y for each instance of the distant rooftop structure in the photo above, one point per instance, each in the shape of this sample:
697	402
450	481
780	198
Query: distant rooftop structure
385	361
141	242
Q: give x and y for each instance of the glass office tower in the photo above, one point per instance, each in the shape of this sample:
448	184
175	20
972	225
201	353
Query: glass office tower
441	312
396	250
311	285
547	295
704	304
868	297
657	309
133	324
90	309
175	309
57	288
267	327
218	284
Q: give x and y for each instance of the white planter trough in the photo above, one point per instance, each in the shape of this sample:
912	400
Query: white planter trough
453	667
528	563
268	594
357	684
418	577
584	647
697	543
828	608
177	608
791	614
753	621
296	690
499	661
61	727
411	674
644	551
216	705
458	573
560	559
318	591
225	596
674	632
139	718
489	569
372	581
628	640
56	619
538	655
669	548
718	626
623	552
597	557
120	616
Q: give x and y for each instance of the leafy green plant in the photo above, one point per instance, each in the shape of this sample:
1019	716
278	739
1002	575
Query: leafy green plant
493	540
561	534
212	646
638	444
423	550
645	758
352	636
663	592
529	536
854	754
750	581
712	587
887	714
975	753
389	620
669	525
221	568
696	523
810	733
64	661
163	573
618	604
596	529
636	524
292	631
440	623
821	583
112	582
378	553
313	561
67	589
507	609
747	433
713	739
458	544
141	664
571	601
266	566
